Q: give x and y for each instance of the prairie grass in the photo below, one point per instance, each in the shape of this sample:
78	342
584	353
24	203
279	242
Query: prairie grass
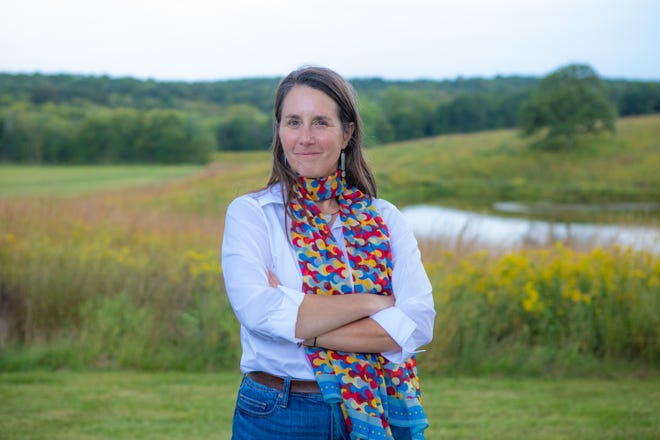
131	278
544	311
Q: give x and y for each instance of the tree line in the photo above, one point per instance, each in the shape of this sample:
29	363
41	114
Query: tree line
99	119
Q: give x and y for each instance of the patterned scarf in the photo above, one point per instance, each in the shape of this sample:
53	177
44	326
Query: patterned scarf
371	391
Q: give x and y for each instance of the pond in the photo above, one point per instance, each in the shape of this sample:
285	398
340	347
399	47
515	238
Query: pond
464	228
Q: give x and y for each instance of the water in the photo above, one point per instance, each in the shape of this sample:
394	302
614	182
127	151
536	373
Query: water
458	228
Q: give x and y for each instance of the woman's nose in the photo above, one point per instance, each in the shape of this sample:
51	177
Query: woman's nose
306	135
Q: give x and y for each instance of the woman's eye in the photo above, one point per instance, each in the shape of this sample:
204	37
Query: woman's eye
321	122
293	123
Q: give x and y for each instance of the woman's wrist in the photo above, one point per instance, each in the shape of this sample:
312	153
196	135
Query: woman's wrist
379	302
310	342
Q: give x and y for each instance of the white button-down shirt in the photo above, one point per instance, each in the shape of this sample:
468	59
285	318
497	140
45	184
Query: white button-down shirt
255	241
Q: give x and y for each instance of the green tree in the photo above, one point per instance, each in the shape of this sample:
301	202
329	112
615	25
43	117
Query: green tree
377	129
408	112
569	102
171	136
244	127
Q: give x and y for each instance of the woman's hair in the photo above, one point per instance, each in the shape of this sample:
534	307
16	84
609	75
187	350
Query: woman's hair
358	173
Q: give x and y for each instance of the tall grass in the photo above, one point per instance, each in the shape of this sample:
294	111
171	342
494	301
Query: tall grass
146	293
97	286
544	311
132	279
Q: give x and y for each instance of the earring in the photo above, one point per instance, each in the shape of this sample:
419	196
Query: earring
284	156
342	164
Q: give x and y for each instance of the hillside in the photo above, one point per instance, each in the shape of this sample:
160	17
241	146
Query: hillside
473	171
468	171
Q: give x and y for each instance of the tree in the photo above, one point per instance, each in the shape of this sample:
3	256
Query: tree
570	101
244	127
377	129
408	112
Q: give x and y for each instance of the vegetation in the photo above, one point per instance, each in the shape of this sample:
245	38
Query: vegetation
544	311
129	278
74	135
572	100
22	180
84	119
100	284
132	405
475	171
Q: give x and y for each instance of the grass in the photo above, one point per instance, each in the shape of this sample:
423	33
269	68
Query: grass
136	405
26	180
467	171
116	405
129	278
473	171
111	279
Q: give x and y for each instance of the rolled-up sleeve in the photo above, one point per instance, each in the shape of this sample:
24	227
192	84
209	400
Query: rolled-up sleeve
410	322
246	259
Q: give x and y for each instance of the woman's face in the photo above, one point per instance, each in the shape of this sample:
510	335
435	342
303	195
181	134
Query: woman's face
311	132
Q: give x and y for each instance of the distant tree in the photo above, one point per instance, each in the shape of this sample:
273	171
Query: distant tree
33	136
570	101
377	129
408	112
244	127
636	98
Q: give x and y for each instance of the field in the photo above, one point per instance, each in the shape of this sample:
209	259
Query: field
473	171
470	171
110	281
134	405
21	180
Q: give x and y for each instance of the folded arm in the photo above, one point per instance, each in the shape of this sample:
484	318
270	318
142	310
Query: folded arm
341	322
270	309
362	336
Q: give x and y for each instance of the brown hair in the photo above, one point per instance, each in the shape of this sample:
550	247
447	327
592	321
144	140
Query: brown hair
358	173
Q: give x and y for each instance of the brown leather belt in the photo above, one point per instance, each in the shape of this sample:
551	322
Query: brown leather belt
297	386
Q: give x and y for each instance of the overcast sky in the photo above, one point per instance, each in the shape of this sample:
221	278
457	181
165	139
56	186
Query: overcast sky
404	39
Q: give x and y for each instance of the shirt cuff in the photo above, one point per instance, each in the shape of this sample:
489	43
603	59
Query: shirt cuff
400	328
281	318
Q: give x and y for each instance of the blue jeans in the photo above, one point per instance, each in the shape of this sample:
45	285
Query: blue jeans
264	413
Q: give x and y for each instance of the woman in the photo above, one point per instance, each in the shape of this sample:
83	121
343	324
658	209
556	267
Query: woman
326	281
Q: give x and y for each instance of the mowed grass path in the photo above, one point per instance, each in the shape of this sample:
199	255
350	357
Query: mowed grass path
141	405
26	180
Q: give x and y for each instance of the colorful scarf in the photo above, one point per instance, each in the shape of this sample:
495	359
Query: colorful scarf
372	392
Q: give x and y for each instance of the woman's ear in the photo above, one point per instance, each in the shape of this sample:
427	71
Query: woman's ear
348	133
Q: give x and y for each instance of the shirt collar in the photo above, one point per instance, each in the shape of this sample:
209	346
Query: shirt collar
271	194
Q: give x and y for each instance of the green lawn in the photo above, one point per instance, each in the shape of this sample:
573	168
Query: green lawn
25	180
141	405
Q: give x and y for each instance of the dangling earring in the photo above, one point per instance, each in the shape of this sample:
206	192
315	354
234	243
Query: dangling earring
284	156
342	164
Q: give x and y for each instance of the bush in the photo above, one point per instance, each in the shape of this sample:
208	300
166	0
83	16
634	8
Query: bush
65	135
544	311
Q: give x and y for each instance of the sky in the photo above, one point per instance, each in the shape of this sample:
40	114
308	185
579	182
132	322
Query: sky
199	40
